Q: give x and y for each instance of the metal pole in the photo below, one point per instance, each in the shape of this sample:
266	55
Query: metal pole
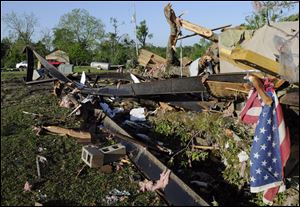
181	58
38	166
134	21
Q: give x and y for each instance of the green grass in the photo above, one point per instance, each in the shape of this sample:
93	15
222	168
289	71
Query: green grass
58	184
77	69
12	74
80	69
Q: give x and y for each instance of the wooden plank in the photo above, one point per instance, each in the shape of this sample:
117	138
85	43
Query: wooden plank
144	57
202	31
186	61
158	59
196	28
40	81
226	55
223	27
147	57
227	89
256	60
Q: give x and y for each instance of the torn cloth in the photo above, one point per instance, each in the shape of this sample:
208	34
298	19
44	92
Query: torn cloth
270	149
160	184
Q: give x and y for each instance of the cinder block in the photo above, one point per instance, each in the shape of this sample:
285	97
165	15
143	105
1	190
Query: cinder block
92	156
113	153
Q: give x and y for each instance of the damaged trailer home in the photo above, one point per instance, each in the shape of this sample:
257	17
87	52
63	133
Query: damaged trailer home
244	77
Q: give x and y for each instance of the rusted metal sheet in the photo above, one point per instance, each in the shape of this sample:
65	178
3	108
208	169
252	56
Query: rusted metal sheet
176	192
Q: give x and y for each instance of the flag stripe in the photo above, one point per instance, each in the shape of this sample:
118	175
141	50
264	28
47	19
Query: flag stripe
272	134
284	140
285	148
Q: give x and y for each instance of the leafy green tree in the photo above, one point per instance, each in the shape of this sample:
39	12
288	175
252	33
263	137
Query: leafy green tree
47	39
293	17
79	55
40	48
142	32
15	54
85	29
78	33
63	39
116	48
5	48
266	11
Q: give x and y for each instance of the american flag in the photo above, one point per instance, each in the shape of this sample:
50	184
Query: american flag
270	149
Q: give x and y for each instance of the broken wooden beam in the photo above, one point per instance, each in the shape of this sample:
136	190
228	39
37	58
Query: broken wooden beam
40	81
80	135
202	31
146	57
256	61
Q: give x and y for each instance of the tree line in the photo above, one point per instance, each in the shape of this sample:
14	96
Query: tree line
84	38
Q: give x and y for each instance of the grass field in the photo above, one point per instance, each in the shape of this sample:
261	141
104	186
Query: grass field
58	184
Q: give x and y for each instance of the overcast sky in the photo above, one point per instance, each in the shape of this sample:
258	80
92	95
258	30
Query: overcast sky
205	13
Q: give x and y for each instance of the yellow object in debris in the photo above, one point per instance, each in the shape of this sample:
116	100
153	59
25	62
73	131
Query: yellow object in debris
256	61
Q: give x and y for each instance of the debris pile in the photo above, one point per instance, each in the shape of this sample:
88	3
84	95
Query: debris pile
191	127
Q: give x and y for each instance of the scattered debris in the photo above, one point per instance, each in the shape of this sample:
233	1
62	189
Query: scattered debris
82	136
116	195
96	157
159	184
137	114
27	186
37	204
106	169
108	111
92	156
208	88
39	159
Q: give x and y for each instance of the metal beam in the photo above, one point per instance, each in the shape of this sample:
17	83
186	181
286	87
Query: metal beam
177	193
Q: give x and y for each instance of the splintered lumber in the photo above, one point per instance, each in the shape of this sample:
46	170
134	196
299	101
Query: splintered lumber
202	31
144	57
81	135
256	60
196	28
147	58
227	89
241	60
192	35
186	61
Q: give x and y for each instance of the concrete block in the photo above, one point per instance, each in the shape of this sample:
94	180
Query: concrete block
92	156
113	153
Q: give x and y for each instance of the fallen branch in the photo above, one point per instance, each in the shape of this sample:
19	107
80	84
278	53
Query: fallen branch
205	147
185	146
